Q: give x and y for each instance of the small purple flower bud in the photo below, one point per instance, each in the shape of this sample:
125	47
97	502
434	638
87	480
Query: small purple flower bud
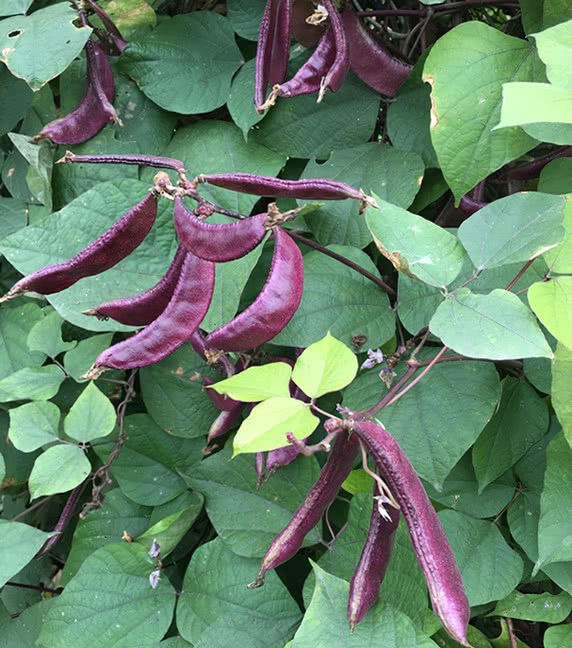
155	551
155	577
373	358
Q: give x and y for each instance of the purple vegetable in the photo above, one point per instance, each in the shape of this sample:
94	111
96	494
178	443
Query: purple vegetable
118	41
134	160
105	252
224	422
220	401
142	309
373	563
337	72
217	242
275	305
94	110
260	467
281	457
321	495
427	535
372	63
184	313
469	205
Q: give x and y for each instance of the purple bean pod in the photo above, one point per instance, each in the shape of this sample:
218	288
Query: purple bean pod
469	205
372	63
184	312
321	495
106	251
275	305
281	457
220	401
427	535
94	110
338	71
132	160
118	41
373	563
223	423
260	467
218	243
307	34
142	309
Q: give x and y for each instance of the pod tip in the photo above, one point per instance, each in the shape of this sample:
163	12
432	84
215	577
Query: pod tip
257	582
94	372
68	157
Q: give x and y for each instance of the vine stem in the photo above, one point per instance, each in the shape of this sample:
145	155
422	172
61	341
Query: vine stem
524	268
438	9
372	411
38	588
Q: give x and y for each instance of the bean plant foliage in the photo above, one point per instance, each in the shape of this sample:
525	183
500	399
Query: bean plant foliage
286	326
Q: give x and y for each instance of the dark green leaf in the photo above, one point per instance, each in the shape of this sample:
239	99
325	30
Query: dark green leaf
58	470
240	99
549	608
15	99
562	388
16	322
245	17
46	336
19	543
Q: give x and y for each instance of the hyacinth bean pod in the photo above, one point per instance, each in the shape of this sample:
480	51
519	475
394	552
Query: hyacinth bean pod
427	535
220	401
114	34
181	317
469	206
306	33
337	72
281	457
321	495
372	565
142	309
130	160
95	109
217	243
106	251
223	423
372	63
275	305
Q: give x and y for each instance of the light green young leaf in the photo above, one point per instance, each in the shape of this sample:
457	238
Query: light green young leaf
39	175
533	103
46	336
81	357
555	49
34	425
552	303
257	383
325	366
19	543
33	383
58	470
559	259
358	481
16	321
558	636
497	326
265	428
91	416
549	608
562	389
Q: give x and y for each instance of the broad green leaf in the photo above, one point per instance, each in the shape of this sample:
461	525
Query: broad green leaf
497	326
266	426
325	366
17	464
416	302
325	622
240	98
414	245
554	532
555	11
2	469
520	420
19	543
131	16
552	303
358	481
199	75
534	103
257	383
512	229
147	469
16	322
24	630
216	604
39	175
139	616
466	69
338	299
537	371
374	167
248	518
562	389
556	178
40	46
15	99
558	636
245	17
555	49
92	416
550	608
58	470
175	642
489	567
34	383
79	359
46	336
12	7
554	133
13	215
34	425
559	259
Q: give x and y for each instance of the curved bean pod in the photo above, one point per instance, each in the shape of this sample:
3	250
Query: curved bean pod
470	206
427	535
105	252
372	565
338	70
218	243
372	63
223	423
118	41
142	309
184	313
275	305
321	495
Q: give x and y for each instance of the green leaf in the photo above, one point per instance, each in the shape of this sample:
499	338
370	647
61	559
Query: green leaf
556	637
556	178
240	99
248	518
549	608
24	630
12	7
555	49
489	567
554	533
340	300
325	366
140	616
497	326
466	69
39	175
79	359
216	605
46	336
40	46
257	383
34	383
16	322
555	133
13	215
519	422
34	425
19	543
414	245
325	622
358	481
131	16
2	469
562	388
92	416
552	303
58	470
15	99
199	75
515	228
245	17
374	167
266	426
534	103
559	259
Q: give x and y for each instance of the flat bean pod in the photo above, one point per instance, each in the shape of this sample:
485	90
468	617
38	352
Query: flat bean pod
106	251
337	72
275	305
218	243
224	422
